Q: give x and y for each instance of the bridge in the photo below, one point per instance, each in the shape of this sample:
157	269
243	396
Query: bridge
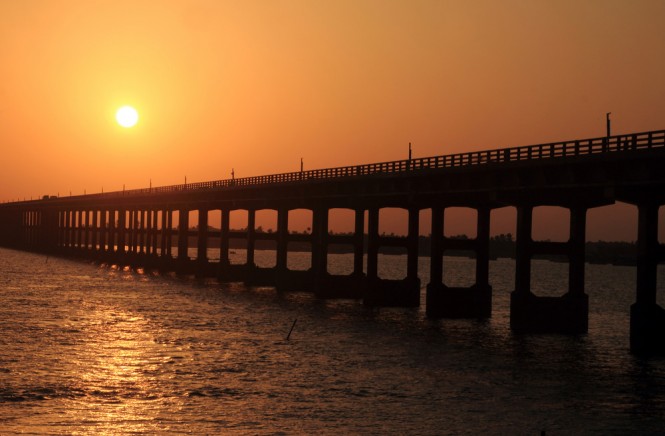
141	227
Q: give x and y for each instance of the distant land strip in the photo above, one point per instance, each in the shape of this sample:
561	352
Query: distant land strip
501	246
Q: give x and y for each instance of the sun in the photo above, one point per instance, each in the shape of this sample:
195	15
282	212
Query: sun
127	116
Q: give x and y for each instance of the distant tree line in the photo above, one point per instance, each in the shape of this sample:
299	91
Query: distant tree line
501	246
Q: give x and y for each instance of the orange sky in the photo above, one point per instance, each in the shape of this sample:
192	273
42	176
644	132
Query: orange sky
256	85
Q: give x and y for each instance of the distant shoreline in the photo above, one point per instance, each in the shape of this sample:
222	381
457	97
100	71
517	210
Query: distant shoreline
501	246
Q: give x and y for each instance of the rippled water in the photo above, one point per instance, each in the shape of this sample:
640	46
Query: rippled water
92	349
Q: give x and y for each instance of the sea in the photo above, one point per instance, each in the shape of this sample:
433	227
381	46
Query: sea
88	348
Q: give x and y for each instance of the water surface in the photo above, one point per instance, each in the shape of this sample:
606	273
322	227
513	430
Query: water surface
89	349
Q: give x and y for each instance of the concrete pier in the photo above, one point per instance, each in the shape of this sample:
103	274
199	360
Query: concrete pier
533	314
460	302
647	318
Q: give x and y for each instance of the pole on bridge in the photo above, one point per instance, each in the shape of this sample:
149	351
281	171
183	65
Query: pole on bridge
608	122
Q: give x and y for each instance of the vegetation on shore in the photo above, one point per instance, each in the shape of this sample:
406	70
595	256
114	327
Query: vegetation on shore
501	246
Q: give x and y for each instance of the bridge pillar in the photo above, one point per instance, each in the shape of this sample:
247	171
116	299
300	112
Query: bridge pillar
281	270
183	240
110	235
412	245
77	229
86	229
647	318
224	242
58	229
320	250
133	229
359	242
155	232
139	221
169	233
112	232
372	245
69	242
122	231
67	233
148	233
94	237
251	239
460	302
102	231
567	314
146	220
282	239
152	237
105	240
202	243
140	231
162	248
129	220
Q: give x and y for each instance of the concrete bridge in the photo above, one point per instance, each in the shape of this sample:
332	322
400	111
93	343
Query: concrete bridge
136	227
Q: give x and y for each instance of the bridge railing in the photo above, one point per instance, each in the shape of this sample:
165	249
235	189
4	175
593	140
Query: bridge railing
612	144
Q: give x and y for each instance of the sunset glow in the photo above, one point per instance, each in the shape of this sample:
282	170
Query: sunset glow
255	86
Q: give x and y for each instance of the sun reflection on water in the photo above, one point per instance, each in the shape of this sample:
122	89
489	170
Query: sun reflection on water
119	366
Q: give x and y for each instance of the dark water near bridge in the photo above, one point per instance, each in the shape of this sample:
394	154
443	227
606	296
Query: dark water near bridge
87	349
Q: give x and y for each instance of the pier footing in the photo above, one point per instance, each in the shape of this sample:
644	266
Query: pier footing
568	314
647	329
392	293
295	281
449	302
332	286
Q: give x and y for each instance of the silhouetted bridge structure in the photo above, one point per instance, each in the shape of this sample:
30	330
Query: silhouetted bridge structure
136	227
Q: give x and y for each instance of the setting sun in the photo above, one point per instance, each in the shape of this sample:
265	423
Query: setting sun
127	116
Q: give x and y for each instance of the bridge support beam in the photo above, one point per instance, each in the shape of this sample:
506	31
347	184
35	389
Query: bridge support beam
459	302
647	318
567	314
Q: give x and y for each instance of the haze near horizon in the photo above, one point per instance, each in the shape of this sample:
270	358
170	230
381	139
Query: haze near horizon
256	86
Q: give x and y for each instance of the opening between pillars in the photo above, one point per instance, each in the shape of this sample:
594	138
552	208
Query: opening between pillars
299	247
550	264
238	222
392	250
460	231
342	227
266	238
